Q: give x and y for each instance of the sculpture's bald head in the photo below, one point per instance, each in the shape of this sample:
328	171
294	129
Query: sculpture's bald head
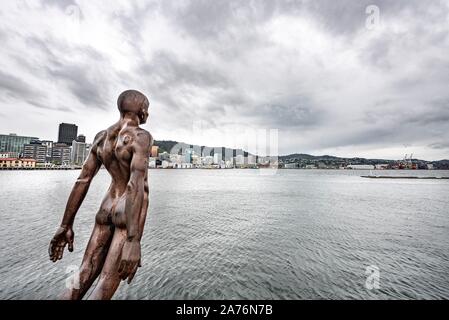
133	101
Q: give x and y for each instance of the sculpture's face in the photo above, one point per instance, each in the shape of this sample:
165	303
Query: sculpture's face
143	114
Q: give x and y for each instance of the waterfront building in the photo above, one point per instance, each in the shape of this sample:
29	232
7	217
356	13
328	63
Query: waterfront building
152	162
35	150
17	163
61	154
49	145
196	160
67	133
188	156
154	151
217	158
176	159
81	138
208	160
240	160
9	155
291	166
14	143
251	160
164	156
79	152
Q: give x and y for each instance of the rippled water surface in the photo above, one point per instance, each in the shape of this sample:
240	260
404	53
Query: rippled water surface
236	234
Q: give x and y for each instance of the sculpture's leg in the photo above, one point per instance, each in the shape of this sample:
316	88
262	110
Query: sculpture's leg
109	278
94	258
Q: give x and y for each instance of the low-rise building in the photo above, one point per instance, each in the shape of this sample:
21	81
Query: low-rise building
17	163
61	154
35	150
9	155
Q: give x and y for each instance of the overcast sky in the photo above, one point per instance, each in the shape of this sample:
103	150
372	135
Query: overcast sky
332	78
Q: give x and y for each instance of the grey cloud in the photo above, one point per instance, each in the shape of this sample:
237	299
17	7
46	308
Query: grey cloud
290	112
211	19
440	145
16	87
171	81
173	72
85	80
81	85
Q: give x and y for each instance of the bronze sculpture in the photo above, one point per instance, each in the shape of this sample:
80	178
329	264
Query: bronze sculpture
113	252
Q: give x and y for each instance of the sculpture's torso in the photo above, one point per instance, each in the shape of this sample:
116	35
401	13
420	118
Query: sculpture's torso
115	153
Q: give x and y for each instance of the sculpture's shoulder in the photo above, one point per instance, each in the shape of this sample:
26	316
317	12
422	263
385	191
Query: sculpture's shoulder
99	138
143	138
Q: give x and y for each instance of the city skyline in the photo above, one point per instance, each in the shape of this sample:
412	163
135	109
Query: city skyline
330	83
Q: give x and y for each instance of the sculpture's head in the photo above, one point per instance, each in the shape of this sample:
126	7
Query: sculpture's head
133	101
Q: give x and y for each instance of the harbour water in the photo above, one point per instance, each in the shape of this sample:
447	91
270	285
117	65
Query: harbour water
236	234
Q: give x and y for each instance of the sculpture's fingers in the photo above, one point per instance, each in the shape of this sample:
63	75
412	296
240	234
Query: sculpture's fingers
56	254
133	273
71	245
60	252
121	268
131	267
127	270
50	250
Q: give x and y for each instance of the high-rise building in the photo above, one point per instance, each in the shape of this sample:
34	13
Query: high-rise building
67	133
13	143
61	154
81	138
35	150
80	151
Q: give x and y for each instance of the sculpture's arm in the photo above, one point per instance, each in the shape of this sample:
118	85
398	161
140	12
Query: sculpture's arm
136	192
135	202
146	201
82	184
65	235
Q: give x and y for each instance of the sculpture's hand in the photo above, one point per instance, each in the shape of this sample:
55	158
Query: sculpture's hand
130	260
62	237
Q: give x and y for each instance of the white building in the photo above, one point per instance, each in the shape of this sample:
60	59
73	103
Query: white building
152	162
165	164
208	160
217	158
240	160
79	153
251	159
